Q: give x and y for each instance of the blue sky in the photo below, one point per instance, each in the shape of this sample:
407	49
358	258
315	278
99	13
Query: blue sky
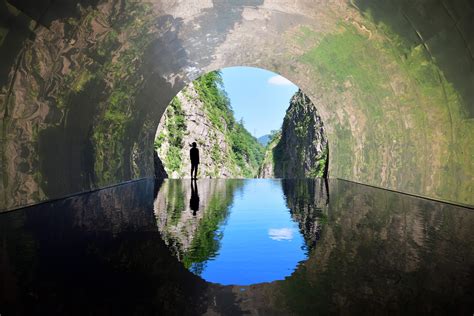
258	96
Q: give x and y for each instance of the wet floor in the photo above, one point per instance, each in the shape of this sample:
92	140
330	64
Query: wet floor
326	248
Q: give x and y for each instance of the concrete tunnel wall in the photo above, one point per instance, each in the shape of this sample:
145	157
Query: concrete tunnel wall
84	84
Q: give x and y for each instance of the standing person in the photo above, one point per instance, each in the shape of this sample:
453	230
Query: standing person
194	155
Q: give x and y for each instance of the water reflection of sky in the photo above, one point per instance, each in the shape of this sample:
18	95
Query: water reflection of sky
251	249
382	252
280	234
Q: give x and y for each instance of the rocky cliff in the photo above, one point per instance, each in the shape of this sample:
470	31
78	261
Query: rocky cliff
201	113
266	169
301	149
84	83
367	241
191	229
307	200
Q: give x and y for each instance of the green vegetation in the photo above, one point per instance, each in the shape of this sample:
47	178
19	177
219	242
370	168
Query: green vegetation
241	153
349	58
300	150
269	158
216	103
84	77
246	152
176	126
204	241
318	169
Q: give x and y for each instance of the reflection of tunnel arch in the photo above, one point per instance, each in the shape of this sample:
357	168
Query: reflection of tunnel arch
392	81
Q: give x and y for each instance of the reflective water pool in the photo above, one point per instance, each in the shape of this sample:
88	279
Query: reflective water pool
369	251
231	231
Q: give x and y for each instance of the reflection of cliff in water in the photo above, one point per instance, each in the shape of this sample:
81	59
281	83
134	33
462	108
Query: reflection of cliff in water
190	230
97	253
307	200
379	252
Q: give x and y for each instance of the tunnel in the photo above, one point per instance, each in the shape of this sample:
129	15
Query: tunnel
85	226
84	84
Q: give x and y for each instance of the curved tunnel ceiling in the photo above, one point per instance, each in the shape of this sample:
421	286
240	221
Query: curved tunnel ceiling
84	83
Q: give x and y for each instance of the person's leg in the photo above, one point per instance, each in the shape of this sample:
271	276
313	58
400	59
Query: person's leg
193	169
196	171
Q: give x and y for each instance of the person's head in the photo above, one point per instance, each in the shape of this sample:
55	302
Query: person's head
194	144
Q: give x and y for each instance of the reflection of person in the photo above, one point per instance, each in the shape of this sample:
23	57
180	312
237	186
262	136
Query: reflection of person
194	155
194	201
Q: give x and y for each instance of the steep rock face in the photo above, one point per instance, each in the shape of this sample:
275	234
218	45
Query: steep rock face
195	126
300	151
379	246
267	166
400	93
307	200
185	121
160	172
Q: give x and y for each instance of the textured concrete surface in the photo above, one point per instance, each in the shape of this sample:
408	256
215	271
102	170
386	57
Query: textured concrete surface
84	84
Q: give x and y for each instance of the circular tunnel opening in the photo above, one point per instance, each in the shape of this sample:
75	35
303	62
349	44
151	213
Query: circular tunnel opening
246	123
235	223
83	84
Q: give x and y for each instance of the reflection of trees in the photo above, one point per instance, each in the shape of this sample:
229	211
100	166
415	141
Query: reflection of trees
194	238
307	199
91	254
379	253
383	251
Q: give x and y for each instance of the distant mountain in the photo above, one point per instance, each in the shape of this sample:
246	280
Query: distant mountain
264	140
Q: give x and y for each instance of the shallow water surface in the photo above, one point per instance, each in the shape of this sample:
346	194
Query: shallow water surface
336	248
242	232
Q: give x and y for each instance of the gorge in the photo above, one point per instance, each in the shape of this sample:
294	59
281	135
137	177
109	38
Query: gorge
392	81
89	224
203	113
300	148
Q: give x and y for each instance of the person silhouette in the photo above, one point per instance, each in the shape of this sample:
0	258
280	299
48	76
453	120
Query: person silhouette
194	155
194	201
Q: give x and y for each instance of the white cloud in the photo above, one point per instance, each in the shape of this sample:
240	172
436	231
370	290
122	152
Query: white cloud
280	234
279	81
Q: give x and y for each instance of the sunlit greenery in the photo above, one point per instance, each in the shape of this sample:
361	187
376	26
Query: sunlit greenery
321	161
176	126
247	153
242	154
